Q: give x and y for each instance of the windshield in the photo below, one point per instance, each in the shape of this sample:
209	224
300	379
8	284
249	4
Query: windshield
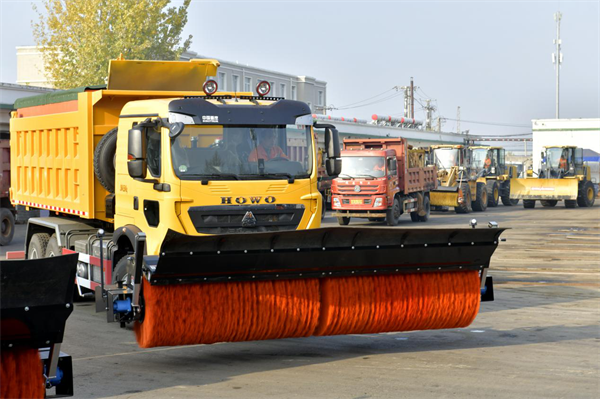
242	152
554	155
363	167
445	158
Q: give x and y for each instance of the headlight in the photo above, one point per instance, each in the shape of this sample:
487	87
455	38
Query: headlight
378	202
336	202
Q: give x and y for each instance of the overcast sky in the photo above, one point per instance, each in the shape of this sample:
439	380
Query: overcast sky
493	59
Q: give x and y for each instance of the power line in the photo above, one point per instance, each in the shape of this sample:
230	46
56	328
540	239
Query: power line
366	99
371	103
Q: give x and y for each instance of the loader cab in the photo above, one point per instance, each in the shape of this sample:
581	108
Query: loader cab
448	157
561	161
488	161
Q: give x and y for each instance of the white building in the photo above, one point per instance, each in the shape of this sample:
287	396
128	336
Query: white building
231	76
583	133
9	92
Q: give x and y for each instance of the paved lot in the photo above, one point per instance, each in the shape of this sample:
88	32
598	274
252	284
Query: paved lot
539	339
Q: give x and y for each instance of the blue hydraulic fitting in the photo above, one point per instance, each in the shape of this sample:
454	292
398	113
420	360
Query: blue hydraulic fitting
484	290
122	306
52	382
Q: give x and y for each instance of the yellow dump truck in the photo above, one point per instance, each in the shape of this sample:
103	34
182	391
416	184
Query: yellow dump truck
563	176
490	164
460	186
196	215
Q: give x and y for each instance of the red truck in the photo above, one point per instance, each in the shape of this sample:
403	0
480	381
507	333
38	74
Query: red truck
381	179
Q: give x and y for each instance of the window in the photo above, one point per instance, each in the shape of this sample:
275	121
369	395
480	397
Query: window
282	92
153	151
221	81
248	84
294	95
236	83
320	98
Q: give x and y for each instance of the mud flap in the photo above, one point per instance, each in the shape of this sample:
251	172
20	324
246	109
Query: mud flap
318	253
544	189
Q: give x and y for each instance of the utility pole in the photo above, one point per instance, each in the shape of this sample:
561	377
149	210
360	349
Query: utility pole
458	119
412	98
429	109
409	99
557	58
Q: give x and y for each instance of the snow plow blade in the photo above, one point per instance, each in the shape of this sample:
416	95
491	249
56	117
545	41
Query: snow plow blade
444	196
544	189
319	253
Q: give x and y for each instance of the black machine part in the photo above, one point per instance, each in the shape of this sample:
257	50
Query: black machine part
318	253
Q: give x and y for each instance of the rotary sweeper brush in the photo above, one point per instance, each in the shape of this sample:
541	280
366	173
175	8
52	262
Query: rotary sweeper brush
36	300
330	281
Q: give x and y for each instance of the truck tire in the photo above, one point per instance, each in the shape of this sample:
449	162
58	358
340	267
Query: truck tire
415	217
548	203
493	193
507	201
481	199
529	204
343	221
104	160
392	216
37	245
465	207
587	196
123	269
570	203
52	249
7	226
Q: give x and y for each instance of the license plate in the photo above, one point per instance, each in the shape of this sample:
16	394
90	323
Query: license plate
356	201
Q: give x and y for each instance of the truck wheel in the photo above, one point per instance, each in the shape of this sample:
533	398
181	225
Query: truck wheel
529	204
549	203
587	196
104	160
392	216
123	270
7	226
343	221
481	199
52	249
493	193
507	201
422	215
37	245
465	192
570	203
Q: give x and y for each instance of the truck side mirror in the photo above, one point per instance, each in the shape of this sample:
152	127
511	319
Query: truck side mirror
136	153
333	164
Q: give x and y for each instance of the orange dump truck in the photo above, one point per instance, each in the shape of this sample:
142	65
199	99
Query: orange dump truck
381	179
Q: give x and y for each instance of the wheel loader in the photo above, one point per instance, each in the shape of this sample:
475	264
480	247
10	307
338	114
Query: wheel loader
562	176
489	163
459	185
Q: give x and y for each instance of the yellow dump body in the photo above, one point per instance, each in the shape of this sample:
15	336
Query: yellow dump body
544	189
52	142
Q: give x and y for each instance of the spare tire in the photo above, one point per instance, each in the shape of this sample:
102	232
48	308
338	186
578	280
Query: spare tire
104	160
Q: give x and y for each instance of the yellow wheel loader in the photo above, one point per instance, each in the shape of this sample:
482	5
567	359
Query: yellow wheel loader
459	186
561	177
489	163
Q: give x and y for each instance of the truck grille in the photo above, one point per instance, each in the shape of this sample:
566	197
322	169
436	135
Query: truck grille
349	189
228	219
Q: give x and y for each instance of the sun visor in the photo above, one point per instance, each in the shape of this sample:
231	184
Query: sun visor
160	75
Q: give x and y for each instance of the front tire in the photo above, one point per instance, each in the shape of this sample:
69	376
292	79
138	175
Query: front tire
52	249
549	203
529	204
37	245
481	199
570	204
393	215
587	195
493	192
465	191
343	221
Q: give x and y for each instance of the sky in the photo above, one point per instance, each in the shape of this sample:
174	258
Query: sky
491	58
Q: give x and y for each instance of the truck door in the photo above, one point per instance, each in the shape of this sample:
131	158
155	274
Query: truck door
392	179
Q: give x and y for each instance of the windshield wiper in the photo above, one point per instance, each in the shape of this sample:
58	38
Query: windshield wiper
280	174
371	176
207	177
345	174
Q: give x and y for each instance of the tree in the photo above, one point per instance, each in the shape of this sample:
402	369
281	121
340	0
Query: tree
79	37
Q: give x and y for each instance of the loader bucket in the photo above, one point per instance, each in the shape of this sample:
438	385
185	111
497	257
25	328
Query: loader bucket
544	189
444	196
206	289
35	301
